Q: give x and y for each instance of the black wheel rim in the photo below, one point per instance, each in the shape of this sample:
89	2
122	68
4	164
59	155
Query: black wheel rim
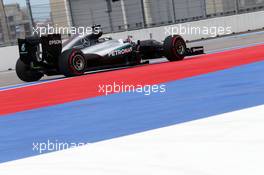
78	62
180	48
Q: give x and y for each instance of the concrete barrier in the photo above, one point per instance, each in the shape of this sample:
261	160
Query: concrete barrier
238	23
8	57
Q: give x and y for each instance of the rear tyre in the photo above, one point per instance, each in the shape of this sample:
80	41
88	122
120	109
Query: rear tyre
72	63
174	48
25	73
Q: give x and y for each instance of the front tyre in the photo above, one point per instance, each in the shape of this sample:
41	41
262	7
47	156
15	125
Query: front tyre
25	73
174	48
72	63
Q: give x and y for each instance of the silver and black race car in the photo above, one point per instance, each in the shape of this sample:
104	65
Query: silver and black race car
48	55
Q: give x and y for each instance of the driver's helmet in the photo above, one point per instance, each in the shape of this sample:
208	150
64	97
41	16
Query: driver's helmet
129	39
97	31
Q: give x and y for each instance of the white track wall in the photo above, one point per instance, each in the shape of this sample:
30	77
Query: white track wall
8	57
238	23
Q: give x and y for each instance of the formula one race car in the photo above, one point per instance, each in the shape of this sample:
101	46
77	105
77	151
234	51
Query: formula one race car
48	55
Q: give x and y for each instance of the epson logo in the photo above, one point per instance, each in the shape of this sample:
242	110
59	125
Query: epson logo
54	42
120	52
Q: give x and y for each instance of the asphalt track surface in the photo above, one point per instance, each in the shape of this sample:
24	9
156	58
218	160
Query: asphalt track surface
9	78
83	87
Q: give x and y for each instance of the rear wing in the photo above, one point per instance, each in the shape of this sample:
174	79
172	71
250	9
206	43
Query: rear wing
28	48
42	48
